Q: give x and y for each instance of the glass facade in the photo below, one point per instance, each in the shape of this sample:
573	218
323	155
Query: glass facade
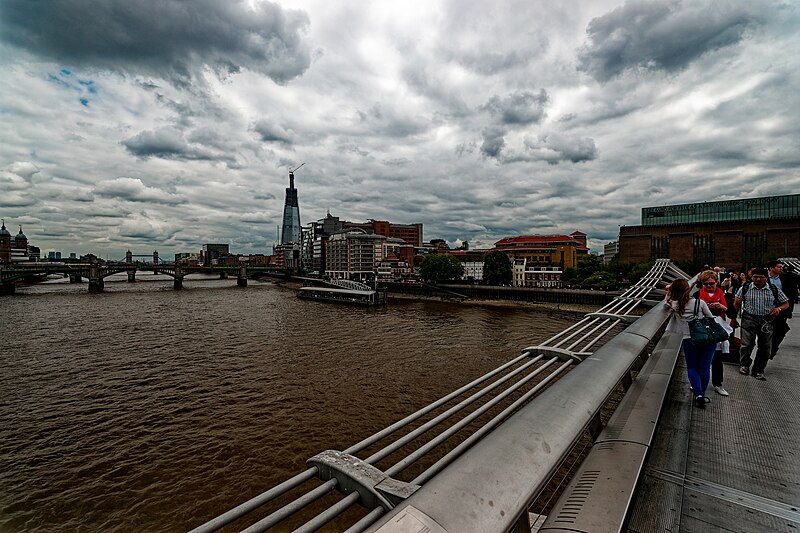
769	207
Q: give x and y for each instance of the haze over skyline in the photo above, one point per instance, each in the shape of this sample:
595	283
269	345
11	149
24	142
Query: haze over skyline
164	124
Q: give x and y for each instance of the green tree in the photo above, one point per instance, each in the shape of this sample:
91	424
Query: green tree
497	269
588	265
601	280
441	267
570	275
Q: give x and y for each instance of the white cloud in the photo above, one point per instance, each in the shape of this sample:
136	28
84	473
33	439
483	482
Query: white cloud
479	120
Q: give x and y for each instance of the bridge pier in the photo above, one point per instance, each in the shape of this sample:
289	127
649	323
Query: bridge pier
223	275
177	282
8	288
131	276
75	278
95	279
241	279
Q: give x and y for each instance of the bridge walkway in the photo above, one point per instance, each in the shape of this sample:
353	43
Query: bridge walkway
734	466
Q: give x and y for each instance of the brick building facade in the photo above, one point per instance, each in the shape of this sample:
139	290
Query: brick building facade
735	234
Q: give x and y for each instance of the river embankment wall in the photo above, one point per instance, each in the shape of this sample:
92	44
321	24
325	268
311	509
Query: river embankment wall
513	294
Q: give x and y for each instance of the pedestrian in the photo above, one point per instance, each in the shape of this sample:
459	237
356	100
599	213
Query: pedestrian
786	283
698	358
793	281
759	303
714	297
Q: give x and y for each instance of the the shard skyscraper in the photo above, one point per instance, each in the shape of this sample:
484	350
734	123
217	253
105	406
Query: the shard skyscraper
291	215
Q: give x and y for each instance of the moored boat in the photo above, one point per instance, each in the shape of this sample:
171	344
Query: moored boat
345	292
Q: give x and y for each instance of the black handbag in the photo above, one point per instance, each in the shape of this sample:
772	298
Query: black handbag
704	329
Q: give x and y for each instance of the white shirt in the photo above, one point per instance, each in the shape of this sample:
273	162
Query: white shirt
680	322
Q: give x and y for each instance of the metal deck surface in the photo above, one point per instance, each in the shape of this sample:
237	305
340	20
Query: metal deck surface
734	466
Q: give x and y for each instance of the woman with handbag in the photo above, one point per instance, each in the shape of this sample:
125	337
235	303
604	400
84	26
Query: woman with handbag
698	357
714	297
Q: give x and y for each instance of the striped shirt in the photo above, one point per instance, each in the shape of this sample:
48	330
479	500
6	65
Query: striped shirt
759	302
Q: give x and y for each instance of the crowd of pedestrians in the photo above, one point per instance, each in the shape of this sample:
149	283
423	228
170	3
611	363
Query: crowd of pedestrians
757	302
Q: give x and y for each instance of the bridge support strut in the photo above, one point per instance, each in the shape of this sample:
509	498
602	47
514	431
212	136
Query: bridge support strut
241	278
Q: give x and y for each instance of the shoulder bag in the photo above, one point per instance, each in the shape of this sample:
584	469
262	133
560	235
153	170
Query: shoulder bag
705	329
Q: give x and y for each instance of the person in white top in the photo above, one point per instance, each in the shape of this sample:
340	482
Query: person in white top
698	358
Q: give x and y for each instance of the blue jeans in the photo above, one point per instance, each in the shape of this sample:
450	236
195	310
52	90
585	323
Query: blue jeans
698	365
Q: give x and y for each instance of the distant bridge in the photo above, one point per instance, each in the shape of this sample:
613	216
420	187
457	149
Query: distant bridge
97	272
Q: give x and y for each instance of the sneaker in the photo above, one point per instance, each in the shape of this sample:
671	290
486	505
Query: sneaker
721	391
700	402
760	377
743	370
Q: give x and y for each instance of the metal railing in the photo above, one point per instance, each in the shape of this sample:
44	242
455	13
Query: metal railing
350	284
477	413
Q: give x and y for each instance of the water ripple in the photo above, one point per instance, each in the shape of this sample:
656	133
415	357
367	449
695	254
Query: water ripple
145	408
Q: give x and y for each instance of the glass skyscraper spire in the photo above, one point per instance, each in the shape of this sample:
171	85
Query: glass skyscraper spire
291	215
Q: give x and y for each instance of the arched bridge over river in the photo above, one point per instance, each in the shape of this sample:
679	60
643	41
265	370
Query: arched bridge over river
478	459
97	272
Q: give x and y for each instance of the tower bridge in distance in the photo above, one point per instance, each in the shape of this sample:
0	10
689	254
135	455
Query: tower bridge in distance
657	465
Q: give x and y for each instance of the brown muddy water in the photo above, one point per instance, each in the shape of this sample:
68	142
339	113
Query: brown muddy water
149	409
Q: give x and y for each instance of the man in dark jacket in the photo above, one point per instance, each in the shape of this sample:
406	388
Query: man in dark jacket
779	278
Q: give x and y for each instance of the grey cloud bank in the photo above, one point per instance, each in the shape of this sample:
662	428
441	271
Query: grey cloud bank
169	124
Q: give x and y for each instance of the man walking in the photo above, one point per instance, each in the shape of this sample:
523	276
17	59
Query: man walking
782	277
780	327
760	302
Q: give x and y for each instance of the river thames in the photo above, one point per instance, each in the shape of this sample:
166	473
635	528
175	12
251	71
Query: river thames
149	409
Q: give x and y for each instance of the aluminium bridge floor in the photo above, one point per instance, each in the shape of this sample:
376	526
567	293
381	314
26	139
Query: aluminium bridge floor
734	466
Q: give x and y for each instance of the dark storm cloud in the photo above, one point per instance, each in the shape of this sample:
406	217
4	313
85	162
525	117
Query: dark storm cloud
270	131
165	142
522	107
493	142
169	38
660	35
169	143
133	190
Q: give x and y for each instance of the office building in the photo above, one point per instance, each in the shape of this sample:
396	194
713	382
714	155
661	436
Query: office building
354	254
290	232
610	251
212	253
411	233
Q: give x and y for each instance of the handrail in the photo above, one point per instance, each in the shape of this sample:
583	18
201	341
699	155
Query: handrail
600	494
497	479
513	391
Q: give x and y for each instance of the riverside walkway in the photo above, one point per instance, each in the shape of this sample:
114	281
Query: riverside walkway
734	466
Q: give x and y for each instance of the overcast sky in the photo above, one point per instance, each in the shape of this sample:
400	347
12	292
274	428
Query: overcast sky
166	124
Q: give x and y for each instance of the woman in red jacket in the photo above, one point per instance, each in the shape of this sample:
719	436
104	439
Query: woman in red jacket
714	297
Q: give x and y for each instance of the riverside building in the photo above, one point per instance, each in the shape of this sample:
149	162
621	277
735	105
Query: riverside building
736	234
539	260
15	250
